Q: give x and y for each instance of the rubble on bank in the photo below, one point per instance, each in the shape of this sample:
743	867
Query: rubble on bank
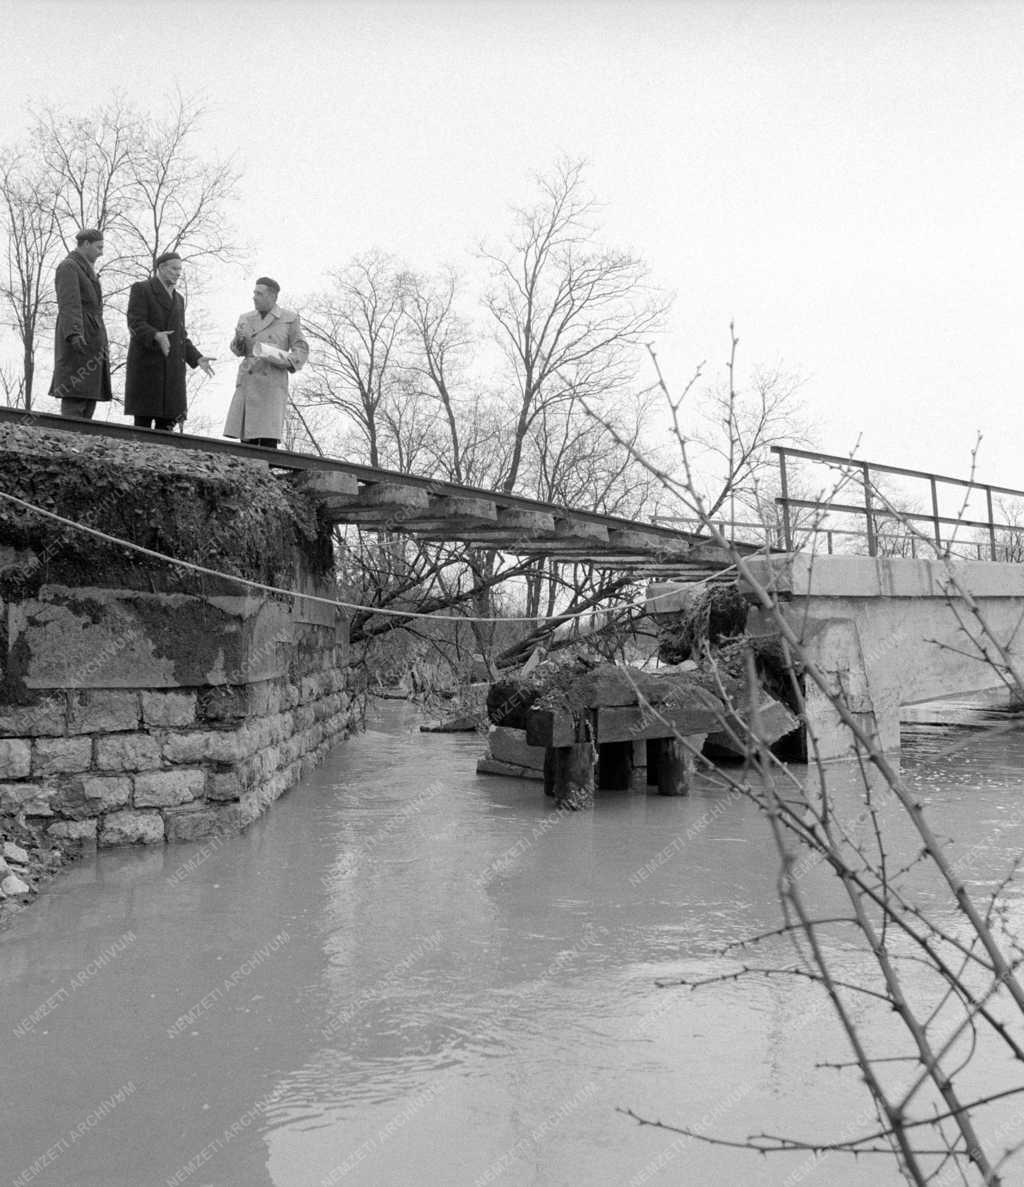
27	862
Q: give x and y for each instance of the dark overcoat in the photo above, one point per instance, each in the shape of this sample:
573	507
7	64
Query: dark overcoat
154	384
77	374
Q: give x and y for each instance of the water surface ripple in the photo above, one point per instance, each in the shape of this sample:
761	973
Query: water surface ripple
409	974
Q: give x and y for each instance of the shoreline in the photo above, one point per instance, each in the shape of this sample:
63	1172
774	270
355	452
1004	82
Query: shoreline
26	856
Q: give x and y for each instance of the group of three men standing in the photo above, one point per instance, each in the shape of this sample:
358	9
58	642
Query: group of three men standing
269	341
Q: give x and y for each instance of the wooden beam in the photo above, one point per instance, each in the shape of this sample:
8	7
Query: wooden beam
572	529
640	543
333	489
626	723
774	721
382	506
679	574
516	529
642	570
550	727
630	723
453	517
712	552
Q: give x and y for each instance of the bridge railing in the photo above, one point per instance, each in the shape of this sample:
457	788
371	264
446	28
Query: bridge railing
937	515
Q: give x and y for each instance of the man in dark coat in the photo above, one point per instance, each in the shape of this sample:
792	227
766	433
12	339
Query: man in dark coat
154	384
81	360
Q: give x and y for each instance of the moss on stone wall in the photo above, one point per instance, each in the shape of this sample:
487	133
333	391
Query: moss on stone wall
224	513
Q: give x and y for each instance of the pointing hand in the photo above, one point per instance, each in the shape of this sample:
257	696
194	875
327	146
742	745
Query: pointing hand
163	340
205	362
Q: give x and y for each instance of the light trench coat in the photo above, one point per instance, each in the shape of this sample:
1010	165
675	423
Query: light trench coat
261	390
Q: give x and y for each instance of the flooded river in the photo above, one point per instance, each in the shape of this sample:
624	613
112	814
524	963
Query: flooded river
409	974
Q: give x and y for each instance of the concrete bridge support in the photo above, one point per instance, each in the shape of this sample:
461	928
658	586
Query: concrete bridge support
890	632
887	631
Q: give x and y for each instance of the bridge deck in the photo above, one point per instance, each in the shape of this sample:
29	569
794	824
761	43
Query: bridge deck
433	510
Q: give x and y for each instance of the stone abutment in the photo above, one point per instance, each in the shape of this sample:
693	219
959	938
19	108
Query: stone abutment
142	702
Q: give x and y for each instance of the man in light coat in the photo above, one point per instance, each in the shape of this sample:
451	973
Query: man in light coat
271	347
81	363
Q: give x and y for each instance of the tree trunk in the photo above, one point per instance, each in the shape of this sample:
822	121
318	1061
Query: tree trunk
30	364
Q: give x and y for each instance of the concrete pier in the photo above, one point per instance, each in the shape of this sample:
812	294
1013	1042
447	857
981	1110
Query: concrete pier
887	631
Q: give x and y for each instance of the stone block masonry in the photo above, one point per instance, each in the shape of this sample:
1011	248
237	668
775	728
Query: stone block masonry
140	702
177	733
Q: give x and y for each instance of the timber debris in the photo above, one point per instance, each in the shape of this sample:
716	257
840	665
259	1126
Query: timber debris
610	726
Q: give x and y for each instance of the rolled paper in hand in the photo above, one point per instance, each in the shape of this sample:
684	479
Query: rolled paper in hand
273	354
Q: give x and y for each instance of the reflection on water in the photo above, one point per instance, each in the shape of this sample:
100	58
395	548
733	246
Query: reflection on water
408	974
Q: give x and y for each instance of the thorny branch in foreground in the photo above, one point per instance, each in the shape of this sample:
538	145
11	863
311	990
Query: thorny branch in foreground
961	1006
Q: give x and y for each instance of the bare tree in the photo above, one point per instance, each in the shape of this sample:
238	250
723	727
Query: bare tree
734	429
567	312
178	199
401	363
12	388
139	180
412	440
440	337
85	159
574	461
136	178
31	233
1010	535
359	323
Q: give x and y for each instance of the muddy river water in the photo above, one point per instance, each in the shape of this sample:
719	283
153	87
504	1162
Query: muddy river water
409	974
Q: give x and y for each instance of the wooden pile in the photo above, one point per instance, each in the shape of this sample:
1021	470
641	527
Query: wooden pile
607	726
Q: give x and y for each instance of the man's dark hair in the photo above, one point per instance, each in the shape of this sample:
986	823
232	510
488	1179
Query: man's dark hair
270	284
88	235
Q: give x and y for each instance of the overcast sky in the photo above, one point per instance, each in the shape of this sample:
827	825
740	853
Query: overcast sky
842	179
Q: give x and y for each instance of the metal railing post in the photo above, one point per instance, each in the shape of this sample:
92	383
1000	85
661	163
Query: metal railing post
787	535
872	542
935	514
991	522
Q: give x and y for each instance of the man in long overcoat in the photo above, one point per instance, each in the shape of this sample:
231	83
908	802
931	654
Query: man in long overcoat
154	384
81	357
271	346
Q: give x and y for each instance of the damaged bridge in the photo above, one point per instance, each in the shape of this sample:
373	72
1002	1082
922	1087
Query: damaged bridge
886	632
